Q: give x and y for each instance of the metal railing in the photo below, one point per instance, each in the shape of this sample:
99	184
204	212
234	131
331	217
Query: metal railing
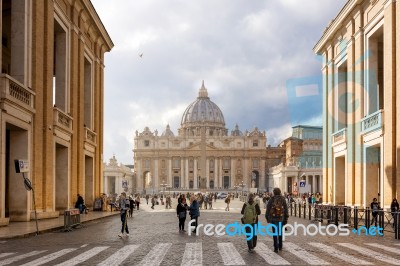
353	216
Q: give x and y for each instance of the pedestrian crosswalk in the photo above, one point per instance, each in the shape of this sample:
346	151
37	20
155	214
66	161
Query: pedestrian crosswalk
224	253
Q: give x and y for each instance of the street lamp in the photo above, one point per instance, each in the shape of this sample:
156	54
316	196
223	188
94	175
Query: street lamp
242	185
236	188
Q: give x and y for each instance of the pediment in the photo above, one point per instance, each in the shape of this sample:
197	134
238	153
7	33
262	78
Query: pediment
197	147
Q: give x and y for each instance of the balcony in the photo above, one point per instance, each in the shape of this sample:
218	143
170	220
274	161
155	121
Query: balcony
90	136
62	120
372	122
14	92
339	137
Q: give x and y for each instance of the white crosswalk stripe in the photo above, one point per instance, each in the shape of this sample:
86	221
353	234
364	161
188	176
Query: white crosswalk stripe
370	253
339	254
229	254
20	257
269	256
193	255
2	255
390	249
83	256
118	257
304	255
156	255
49	257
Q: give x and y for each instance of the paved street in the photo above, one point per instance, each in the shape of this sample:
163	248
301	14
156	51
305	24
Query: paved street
154	240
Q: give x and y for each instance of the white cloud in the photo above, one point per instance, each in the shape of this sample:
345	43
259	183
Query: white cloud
245	51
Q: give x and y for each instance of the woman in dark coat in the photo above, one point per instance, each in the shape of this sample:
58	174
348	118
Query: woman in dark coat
194	211
181	209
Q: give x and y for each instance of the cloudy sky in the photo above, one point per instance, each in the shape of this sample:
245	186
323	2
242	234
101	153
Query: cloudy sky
255	58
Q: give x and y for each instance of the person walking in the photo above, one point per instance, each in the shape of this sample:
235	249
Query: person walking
181	210
79	203
194	211
137	201
375	206
250	212
123	203
147	199
153	202
277	213
227	201
394	208
131	205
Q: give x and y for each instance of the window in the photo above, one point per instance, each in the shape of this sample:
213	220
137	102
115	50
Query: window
147	143
163	144
176	163
88	93
60	96
255	143
163	164
255	163
146	163
211	164
227	163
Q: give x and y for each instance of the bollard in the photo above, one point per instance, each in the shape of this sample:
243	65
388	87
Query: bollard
304	211
295	209
299	210
356	217
336	209
367	217
291	209
309	212
381	221
396	225
345	215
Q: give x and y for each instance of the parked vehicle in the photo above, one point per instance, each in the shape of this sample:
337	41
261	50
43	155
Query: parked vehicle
222	195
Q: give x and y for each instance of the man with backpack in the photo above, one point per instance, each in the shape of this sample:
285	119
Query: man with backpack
277	214
250	211
123	203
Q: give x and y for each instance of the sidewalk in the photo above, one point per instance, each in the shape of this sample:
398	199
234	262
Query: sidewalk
26	229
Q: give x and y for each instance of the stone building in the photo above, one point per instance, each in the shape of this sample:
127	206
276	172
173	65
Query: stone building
51	105
301	171
118	178
203	155
361	73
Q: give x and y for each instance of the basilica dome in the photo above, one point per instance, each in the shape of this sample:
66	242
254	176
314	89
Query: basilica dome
203	111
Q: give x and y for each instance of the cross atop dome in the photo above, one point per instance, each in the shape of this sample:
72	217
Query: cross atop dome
203	91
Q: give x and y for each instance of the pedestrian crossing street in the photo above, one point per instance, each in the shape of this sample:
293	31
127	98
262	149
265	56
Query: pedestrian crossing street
339	254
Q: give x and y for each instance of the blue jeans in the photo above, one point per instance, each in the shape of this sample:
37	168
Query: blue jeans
124	223
278	238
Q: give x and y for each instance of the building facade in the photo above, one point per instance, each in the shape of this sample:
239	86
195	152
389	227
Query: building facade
118	178
301	171
51	105
203	155
361	71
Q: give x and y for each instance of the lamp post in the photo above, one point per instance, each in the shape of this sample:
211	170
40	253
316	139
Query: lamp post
163	185
242	185
236	188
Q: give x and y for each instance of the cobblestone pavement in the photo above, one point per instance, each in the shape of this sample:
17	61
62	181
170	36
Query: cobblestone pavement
154	240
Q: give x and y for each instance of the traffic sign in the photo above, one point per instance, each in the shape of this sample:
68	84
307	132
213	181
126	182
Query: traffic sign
303	183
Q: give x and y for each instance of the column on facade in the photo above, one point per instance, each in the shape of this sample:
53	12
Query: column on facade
350	167
187	173
398	97
195	178
216	173
233	172
262	175
170	173
156	177
359	93
182	177
139	176
314	188
388	160
208	173
221	172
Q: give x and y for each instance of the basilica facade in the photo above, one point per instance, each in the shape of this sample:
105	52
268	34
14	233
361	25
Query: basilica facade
204	155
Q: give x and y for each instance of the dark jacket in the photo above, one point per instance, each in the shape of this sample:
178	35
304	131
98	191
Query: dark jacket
268	215
375	207
194	210
394	207
181	208
257	207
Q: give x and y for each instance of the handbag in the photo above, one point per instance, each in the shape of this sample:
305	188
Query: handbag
182	215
